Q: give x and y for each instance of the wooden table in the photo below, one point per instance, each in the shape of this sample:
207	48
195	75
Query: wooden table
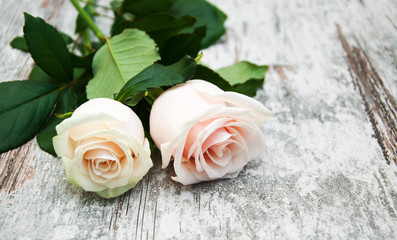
330	168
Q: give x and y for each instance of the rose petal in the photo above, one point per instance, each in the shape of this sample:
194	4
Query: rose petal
183	174
168	148
98	153
203	131
210	127
101	110
84	129
234	99
142	161
179	113
252	136
89	144
213	170
103	165
75	176
238	161
111	174
220	135
223	153
63	146
125	119
70	123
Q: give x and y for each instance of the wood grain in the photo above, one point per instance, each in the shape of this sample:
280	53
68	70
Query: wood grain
380	105
329	170
15	169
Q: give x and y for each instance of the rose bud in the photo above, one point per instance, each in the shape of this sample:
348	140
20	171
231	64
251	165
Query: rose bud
210	134
103	147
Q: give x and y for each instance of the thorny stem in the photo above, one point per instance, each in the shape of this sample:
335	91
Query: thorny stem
89	21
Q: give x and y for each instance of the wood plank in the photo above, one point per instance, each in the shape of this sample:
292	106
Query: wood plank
329	170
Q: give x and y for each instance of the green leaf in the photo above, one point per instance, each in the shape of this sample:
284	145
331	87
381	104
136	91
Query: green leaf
66	38
248	88
156	76
240	72
206	13
120	59
67	103
181	45
24	107
37	74
82	62
116	4
94	47
19	42
48	49
143	8
119	24
160	26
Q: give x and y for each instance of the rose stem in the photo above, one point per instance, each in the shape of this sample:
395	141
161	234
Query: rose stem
87	42
89	21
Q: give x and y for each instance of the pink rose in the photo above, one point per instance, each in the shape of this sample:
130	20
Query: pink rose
211	134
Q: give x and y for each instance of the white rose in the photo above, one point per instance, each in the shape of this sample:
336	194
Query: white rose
103	147
211	134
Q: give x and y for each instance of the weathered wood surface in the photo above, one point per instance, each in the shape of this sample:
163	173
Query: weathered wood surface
329	170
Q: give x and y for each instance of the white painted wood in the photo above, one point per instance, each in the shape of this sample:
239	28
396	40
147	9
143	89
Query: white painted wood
324	173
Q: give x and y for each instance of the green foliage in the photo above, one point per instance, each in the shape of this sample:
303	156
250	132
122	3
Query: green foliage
156	76
82	62
81	24
143	8
181	45
19	42
123	56
127	66
48	49
67	103
38	74
248	87
24	107
240	72
160	26
207	15
116	4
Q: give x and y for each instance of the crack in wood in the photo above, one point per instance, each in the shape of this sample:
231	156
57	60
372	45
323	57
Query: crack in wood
110	223
144	204
280	70
139	210
154	220
118	211
198	202
128	202
14	165
380	106
383	197
45	3
15	169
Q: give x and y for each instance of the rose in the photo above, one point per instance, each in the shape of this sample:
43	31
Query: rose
103	147
211	134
